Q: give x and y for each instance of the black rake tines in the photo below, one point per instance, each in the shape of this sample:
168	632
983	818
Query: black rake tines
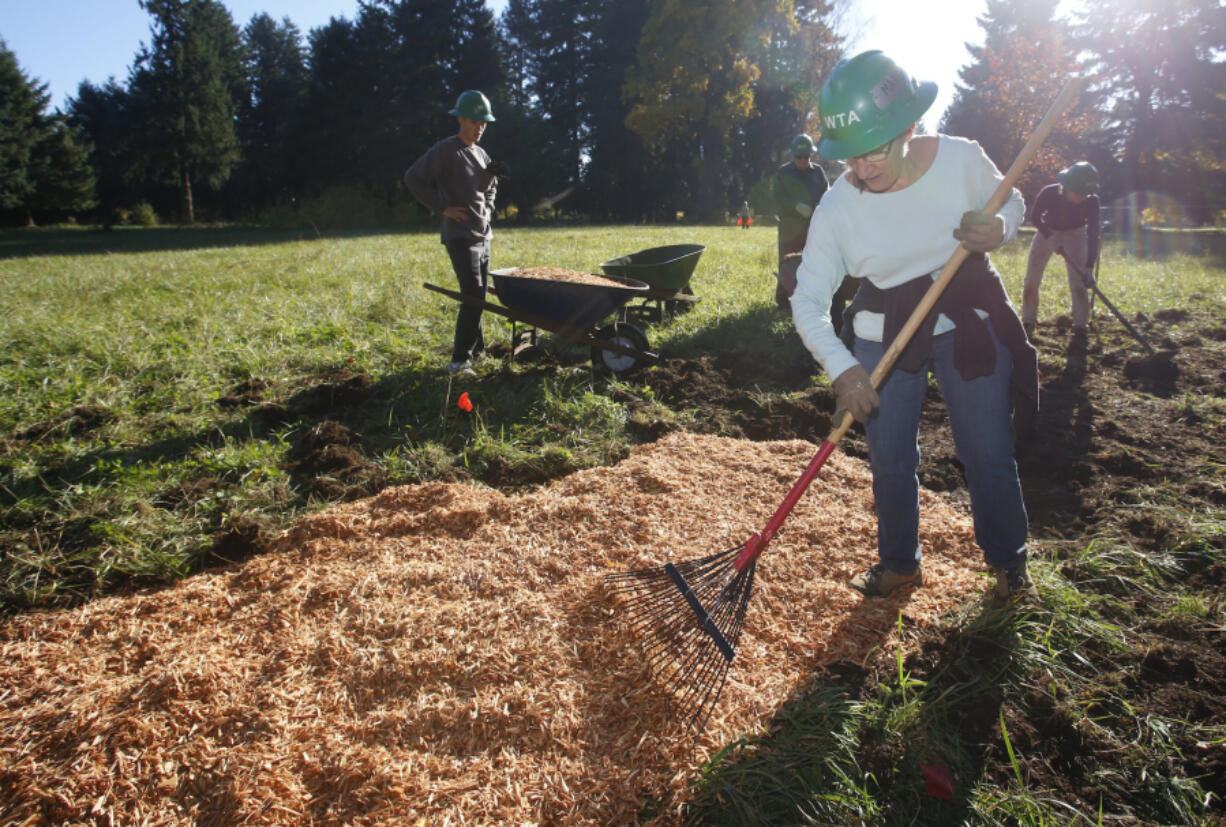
688	617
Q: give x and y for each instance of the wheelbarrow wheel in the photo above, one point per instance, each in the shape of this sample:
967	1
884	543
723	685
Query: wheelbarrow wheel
611	362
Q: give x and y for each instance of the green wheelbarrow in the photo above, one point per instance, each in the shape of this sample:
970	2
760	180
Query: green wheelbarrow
665	270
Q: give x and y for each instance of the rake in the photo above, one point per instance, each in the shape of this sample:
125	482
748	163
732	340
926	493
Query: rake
689	615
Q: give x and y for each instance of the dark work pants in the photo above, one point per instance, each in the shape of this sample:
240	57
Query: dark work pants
471	261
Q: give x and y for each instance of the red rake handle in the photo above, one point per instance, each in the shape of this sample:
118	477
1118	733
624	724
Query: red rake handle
758	542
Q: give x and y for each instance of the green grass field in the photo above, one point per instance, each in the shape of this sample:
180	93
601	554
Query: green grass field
125	462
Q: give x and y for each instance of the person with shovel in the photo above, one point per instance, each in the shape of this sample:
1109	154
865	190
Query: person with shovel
895	217
797	187
458	179
1065	215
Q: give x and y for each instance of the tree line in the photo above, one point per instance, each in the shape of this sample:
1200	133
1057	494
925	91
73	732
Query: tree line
635	111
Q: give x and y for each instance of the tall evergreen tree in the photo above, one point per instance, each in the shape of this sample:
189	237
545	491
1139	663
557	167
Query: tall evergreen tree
276	77
102	116
327	128
545	141
22	102
185	88
1159	65
1026	59
64	180
43	165
621	179
379	87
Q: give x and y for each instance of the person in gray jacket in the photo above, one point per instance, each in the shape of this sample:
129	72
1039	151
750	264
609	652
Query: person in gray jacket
456	178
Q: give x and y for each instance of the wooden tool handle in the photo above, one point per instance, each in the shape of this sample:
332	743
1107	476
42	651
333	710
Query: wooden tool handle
1066	97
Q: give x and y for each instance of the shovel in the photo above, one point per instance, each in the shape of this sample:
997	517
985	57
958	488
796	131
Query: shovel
1092	284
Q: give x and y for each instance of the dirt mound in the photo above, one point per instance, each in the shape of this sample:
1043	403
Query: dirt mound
81	420
448	653
326	463
720	391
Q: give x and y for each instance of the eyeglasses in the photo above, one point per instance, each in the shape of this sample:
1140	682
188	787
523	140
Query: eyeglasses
876	156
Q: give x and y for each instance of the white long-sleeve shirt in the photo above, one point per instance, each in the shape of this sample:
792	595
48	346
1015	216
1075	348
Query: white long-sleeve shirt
890	238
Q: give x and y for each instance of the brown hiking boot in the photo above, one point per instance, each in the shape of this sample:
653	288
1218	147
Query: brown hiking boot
878	581
1014	583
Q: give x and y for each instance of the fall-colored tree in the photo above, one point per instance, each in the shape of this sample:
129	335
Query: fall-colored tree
698	65
1026	59
803	50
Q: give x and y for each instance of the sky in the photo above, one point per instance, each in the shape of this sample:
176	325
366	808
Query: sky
63	42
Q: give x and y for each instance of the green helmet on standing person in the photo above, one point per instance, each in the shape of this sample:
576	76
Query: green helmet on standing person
1081	178
867	101
802	146
474	106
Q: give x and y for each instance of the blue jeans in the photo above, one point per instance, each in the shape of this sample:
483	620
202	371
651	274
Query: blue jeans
979	416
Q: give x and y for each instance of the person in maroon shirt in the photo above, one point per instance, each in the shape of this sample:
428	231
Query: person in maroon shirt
1066	216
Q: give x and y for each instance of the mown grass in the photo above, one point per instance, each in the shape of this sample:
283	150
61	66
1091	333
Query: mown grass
122	463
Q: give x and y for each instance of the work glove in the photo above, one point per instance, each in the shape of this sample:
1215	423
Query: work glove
854	393
804	209
980	232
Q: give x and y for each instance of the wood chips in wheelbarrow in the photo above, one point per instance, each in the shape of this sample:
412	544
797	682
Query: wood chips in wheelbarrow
446	654
562	274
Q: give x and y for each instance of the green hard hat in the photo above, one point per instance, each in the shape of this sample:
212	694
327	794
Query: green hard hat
802	146
1081	178
867	101
472	105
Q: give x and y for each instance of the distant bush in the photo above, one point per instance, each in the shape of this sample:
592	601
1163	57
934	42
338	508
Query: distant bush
143	215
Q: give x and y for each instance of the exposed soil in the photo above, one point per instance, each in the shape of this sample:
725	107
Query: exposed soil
1119	436
79	421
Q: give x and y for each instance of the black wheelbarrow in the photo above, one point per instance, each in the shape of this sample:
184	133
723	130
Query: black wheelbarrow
665	270
573	310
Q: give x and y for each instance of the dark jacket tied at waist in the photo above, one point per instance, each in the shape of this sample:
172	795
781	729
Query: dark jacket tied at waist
976	286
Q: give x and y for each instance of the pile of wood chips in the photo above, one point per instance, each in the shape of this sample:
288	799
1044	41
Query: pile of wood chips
446	654
562	274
